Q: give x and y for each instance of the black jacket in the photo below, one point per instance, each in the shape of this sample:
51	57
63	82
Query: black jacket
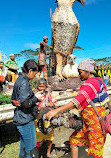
24	100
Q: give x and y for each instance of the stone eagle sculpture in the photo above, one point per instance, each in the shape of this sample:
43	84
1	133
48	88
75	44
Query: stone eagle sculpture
64	31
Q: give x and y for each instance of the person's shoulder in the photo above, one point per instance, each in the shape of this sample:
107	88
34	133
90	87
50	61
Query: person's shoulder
21	79
42	42
93	81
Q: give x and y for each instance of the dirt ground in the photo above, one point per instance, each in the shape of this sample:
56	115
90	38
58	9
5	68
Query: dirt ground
60	147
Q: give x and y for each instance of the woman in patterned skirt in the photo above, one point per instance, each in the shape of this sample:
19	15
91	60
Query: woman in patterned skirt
93	89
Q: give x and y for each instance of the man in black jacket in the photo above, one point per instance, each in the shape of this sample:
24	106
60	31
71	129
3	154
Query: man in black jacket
26	110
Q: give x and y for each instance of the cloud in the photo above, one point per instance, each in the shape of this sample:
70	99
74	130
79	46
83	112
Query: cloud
31	45
89	2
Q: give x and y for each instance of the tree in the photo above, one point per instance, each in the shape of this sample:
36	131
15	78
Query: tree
79	48
103	61
29	53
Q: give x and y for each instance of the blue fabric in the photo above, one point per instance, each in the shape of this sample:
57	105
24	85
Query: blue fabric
27	138
106	82
101	96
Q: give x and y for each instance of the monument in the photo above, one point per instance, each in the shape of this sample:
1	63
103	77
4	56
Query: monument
64	29
64	32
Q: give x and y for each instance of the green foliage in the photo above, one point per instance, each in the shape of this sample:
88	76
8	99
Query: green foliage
33	84
79	48
5	99
29	53
101	61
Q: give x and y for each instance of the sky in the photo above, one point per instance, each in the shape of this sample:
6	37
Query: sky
23	23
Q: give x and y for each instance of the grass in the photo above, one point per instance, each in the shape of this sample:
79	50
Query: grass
10	141
11	150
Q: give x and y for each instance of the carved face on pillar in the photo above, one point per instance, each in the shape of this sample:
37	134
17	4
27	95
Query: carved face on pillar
71	59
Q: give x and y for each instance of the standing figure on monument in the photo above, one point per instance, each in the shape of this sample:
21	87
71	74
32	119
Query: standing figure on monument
12	66
42	57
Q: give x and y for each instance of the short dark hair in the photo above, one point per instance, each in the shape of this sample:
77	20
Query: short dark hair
29	64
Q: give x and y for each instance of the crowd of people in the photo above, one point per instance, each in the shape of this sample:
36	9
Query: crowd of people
27	115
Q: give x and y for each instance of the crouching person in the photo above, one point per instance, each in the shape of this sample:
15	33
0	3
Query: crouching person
26	110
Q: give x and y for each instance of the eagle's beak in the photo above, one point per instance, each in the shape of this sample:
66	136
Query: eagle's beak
56	1
83	2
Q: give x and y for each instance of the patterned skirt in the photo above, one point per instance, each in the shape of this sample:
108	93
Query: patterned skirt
91	135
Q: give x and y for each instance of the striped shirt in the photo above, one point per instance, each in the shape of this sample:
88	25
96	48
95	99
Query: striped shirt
93	89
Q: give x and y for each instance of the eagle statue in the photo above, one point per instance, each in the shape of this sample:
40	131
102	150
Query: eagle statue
64	32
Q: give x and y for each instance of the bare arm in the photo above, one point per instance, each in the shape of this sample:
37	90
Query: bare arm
46	45
54	112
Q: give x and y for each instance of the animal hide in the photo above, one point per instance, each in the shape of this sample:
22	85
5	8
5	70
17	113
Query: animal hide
67	119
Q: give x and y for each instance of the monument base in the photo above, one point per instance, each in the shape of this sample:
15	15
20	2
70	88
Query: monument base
72	83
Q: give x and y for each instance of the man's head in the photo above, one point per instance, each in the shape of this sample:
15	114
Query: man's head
12	56
45	39
1	64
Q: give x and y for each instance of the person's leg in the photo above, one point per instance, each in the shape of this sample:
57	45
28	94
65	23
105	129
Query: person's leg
22	149
74	151
16	76
78	138
49	145
45	71
28	135
33	131
13	76
38	150
8	77
38	145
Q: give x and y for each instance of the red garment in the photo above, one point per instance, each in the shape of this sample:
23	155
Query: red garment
87	92
44	67
47	99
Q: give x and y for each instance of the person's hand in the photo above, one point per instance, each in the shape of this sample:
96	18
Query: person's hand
10	67
40	98
51	47
50	104
51	114
39	107
37	94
